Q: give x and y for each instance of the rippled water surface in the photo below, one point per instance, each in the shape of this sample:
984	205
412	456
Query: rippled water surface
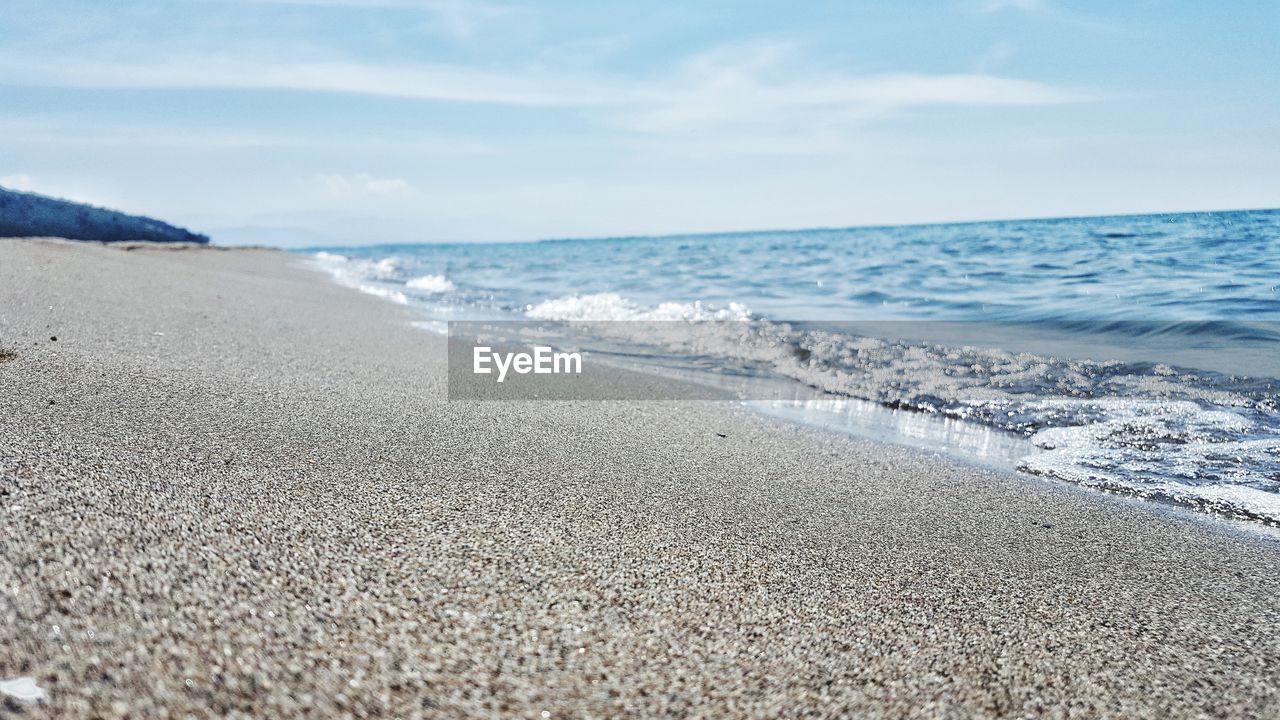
1136	354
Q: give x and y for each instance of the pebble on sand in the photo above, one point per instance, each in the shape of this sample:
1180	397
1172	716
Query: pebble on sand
24	689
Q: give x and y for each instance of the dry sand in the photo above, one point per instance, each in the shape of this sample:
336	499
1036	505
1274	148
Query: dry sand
232	488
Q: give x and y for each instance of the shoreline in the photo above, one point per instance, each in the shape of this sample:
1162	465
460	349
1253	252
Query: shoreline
1077	453
231	471
963	442
1246	526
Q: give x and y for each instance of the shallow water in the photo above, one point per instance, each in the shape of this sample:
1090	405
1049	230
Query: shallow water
1133	354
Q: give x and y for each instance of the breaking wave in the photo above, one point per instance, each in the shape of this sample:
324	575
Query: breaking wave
1180	407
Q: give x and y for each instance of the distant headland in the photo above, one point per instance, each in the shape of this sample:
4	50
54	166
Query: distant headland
31	215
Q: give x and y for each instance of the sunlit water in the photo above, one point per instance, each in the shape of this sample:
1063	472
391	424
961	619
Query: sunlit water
1133	354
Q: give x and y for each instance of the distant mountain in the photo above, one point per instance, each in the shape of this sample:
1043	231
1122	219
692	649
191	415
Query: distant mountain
30	215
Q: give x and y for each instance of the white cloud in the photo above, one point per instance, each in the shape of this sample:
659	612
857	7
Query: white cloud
757	86
459	18
360	184
997	5
426	82
1044	10
760	98
732	84
16	181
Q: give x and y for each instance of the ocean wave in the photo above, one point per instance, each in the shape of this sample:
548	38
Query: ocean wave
1214	459
362	275
1195	438
394	296
1178	314
614	307
431	284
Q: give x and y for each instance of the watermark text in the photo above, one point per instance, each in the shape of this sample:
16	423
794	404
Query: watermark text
542	361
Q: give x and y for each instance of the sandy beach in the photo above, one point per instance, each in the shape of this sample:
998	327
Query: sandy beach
230	487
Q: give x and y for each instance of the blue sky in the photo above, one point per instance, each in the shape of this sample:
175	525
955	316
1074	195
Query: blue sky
360	121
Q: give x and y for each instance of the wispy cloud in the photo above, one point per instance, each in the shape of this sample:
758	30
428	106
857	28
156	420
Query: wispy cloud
997	5
426	82
459	18
728	85
339	185
1043	9
758	86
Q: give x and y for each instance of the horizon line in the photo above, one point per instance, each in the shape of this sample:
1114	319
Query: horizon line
794	230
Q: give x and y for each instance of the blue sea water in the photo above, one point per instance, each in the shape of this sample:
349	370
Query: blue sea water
1135	354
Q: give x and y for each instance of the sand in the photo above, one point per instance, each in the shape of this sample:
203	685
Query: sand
231	487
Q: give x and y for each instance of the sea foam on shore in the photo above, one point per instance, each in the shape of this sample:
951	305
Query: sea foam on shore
1117	374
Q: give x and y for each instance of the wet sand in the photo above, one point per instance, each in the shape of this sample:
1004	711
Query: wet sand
230	487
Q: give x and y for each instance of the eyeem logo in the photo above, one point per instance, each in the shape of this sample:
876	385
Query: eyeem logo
542	361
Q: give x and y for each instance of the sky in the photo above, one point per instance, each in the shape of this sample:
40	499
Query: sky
372	121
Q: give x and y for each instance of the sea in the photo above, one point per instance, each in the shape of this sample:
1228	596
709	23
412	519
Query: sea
1136	354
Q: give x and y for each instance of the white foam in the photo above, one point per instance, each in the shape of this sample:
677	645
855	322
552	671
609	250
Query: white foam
394	296
431	284
23	689
357	274
611	306
435	327
1169	450
383	269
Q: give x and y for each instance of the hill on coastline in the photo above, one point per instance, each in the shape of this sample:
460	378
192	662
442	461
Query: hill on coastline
31	215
